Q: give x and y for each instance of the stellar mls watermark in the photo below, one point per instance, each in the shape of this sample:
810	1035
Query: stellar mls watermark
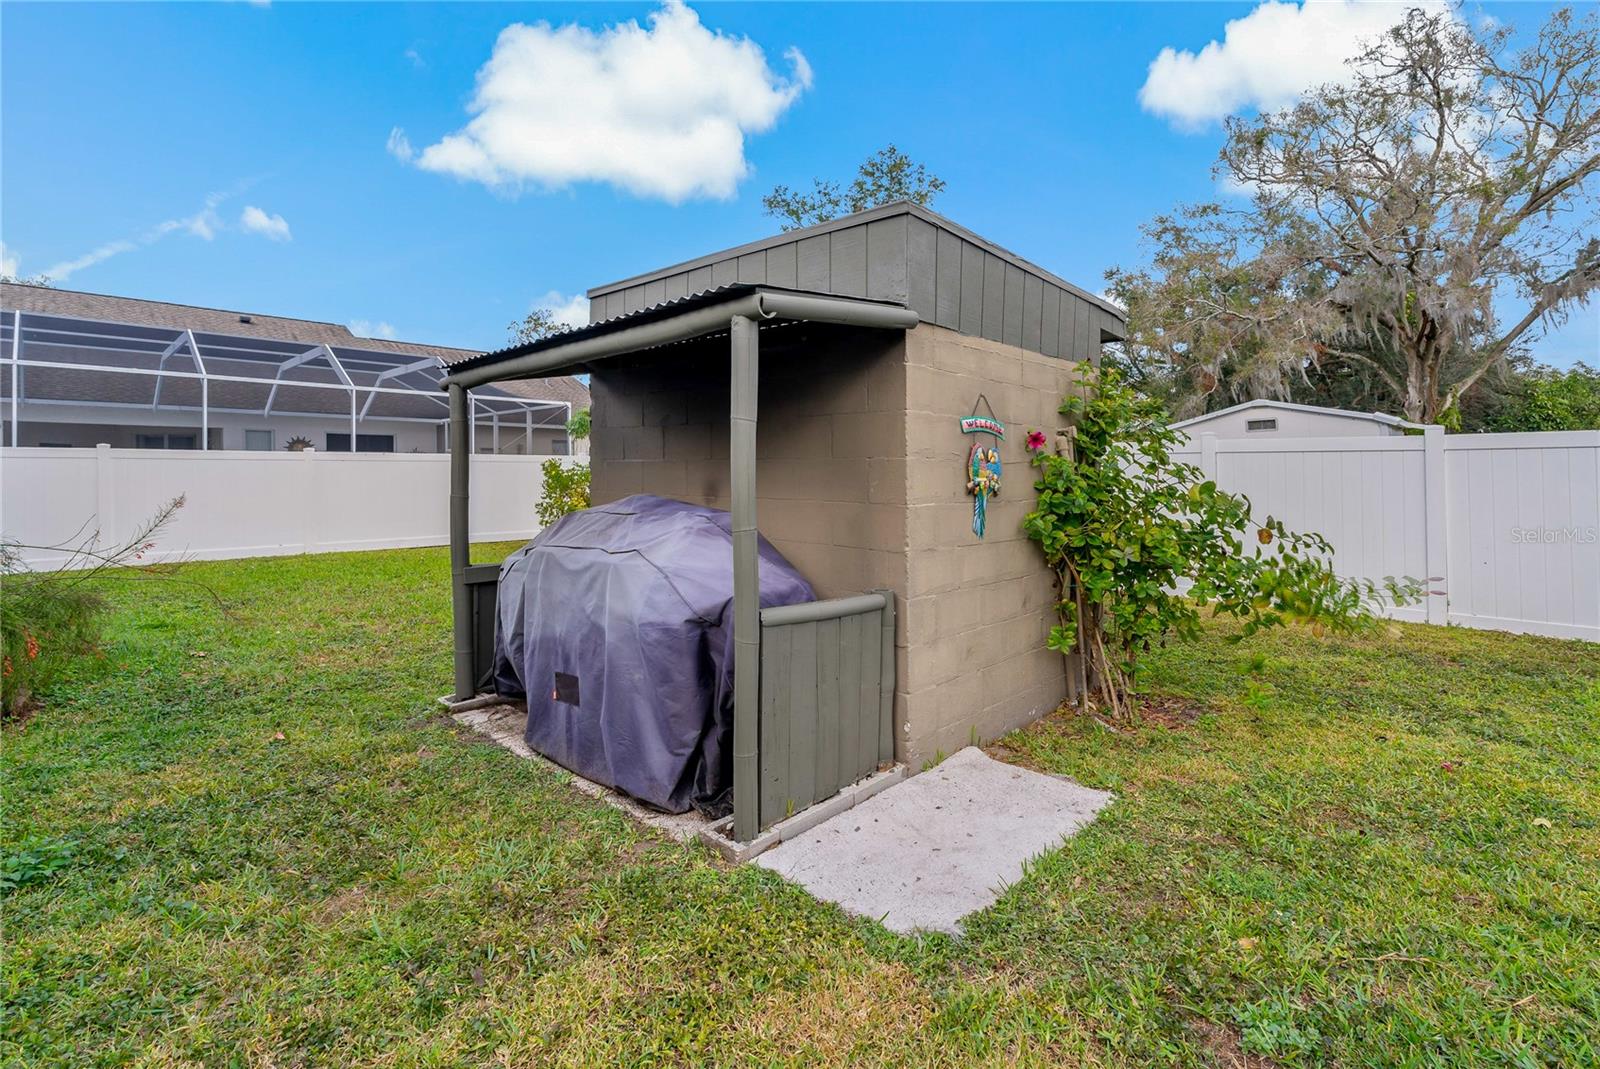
1555	536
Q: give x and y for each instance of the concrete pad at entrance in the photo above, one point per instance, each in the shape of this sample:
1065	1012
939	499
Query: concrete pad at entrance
928	851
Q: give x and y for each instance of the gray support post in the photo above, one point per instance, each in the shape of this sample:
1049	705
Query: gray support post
460	546
746	578
886	681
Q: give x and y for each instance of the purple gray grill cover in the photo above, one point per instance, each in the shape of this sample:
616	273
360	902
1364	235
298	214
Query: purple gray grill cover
616	624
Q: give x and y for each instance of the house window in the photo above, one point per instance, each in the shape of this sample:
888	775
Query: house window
258	440
365	443
1261	425
558	446
164	441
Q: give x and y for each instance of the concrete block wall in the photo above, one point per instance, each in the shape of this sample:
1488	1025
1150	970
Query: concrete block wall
830	449
978	611
860	483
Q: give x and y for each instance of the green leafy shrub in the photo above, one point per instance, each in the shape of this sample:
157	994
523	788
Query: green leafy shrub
1141	542
566	489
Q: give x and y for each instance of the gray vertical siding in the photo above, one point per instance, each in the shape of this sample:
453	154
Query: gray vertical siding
1032	312
782	266
922	286
1011	321
826	703
1050	322
947	280
940	273
813	254
847	260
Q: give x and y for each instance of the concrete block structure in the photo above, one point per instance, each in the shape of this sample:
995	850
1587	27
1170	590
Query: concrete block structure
857	347
860	461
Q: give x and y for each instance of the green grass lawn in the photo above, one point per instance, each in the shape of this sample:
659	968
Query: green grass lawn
249	838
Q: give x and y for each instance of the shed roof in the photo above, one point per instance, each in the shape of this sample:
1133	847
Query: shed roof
1287	406
898	252
695	315
637	317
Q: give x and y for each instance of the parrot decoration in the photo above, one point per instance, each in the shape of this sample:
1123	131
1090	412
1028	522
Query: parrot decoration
983	465
983	462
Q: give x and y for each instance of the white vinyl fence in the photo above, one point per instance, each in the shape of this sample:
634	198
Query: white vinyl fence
1506	525
246	504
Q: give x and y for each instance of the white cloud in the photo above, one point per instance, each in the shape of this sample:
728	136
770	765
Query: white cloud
415	57
1267	58
366	328
661	111
203	224
67	268
399	145
10	262
272	227
569	311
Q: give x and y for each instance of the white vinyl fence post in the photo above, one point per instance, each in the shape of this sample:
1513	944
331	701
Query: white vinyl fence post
105	497
309	473
1438	525
1208	455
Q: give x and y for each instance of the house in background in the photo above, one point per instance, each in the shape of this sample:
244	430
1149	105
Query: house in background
86	368
1280	419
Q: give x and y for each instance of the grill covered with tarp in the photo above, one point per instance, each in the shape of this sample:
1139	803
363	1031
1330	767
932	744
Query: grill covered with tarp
616	624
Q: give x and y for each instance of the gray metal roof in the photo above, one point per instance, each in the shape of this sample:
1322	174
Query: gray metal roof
898	252
694	315
660	310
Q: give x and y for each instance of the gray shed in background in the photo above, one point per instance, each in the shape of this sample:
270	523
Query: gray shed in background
904	253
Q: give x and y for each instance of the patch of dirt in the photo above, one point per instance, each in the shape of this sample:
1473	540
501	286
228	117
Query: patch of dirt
1172	712
1222	1043
335	906
1001	752
19	716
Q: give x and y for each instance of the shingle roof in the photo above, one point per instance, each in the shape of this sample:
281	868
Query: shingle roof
560	388
78	304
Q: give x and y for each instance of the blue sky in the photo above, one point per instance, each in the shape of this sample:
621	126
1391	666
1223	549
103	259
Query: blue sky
244	156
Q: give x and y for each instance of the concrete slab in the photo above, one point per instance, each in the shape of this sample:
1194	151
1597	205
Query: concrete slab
502	724
928	851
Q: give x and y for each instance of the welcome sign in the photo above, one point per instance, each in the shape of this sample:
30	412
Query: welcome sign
983	425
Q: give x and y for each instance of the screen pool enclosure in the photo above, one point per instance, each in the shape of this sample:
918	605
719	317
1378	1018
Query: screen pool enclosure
817	676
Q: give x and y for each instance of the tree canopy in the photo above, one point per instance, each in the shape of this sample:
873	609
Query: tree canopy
884	177
1422	223
539	323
